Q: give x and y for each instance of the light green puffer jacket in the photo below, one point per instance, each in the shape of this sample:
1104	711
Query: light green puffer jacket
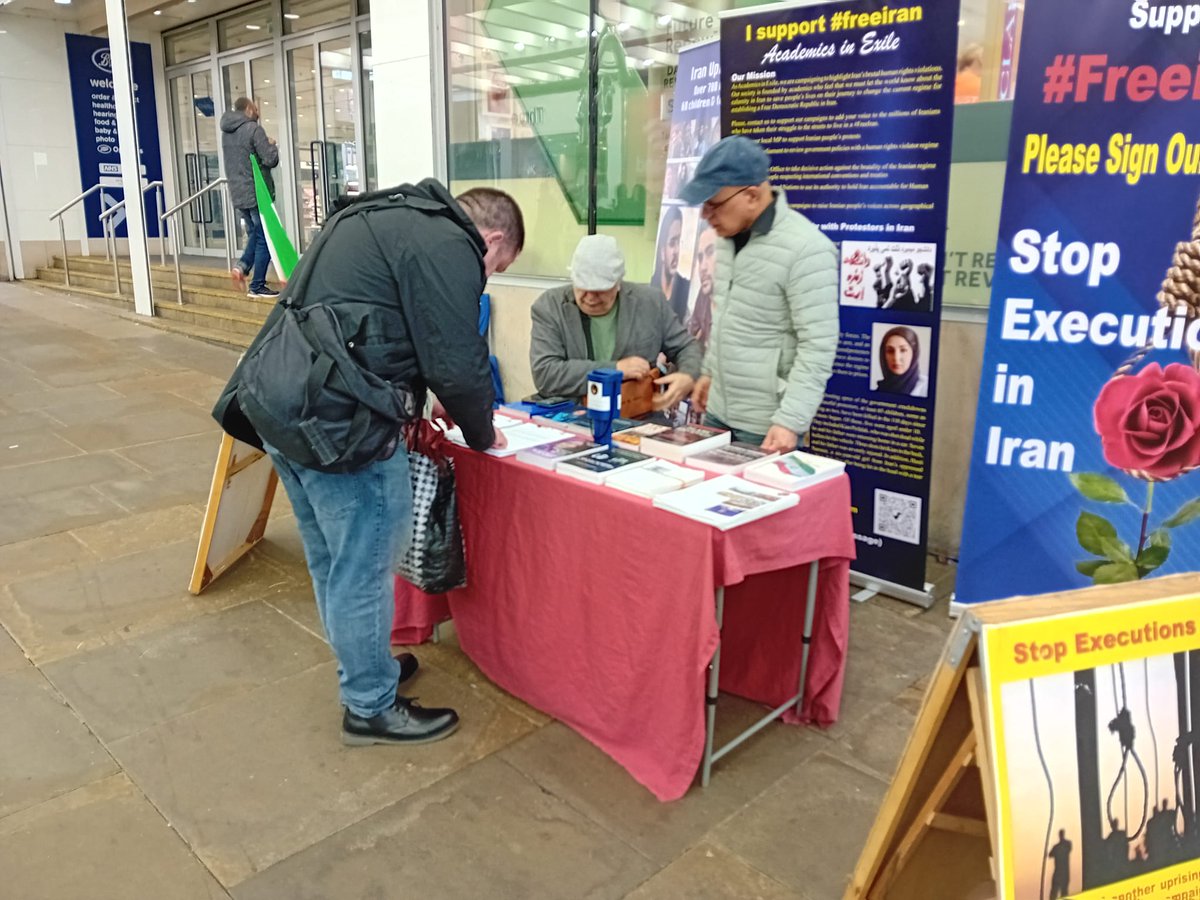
775	326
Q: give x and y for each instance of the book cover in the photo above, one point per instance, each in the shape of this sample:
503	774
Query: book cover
726	501
518	435
547	456
794	470
730	459
657	477
632	437
574	420
686	440
596	467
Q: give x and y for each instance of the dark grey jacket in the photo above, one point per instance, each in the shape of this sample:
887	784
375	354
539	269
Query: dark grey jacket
241	136
646	326
404	282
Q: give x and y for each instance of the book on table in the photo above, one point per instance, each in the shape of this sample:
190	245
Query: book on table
726	501
597	467
794	471
547	456
731	459
654	478
687	440
631	438
518	436
578	421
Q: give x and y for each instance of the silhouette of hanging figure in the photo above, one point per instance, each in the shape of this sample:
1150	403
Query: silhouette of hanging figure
1060	880
883	282
1122	727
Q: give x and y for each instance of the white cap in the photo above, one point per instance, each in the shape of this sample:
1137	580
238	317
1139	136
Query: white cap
598	263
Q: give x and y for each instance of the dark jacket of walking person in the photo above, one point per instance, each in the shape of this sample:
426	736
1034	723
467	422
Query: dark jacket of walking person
241	138
402	275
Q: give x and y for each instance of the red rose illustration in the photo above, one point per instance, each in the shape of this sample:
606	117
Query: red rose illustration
1149	423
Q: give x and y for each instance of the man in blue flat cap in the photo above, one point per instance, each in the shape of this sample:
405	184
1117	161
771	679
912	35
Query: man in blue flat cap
775	311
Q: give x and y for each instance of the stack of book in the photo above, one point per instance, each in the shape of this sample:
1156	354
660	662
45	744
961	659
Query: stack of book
577	421
730	459
726	502
654	478
599	466
631	438
547	456
794	470
687	440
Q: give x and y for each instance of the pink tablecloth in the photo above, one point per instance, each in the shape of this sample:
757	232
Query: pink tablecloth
597	609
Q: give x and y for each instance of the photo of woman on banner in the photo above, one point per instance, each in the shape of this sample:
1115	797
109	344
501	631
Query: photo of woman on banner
898	366
667	278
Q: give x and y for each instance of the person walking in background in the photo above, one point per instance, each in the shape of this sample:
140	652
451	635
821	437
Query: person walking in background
242	137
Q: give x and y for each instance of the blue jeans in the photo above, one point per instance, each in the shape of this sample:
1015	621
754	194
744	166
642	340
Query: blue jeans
257	253
738	435
353	526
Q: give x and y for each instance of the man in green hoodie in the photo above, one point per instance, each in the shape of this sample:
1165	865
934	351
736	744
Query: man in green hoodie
241	138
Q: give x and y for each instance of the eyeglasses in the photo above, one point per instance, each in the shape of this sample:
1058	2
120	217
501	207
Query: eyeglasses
709	206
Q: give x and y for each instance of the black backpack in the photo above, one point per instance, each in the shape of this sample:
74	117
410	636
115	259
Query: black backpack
304	393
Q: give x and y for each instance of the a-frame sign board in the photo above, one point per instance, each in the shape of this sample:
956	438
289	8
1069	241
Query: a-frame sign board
239	502
991	800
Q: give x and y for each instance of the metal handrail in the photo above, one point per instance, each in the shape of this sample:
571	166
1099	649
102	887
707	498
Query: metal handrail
62	234
174	210
110	231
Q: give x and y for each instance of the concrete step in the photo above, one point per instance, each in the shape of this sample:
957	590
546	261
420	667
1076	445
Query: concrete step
212	319
216	278
200	328
164	291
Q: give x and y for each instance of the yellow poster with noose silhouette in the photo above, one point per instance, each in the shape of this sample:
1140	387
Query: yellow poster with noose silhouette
1095	725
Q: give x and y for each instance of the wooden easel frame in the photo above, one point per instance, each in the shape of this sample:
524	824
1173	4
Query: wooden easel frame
233	459
906	850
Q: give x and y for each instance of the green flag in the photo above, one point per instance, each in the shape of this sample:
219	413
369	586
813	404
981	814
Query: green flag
283	255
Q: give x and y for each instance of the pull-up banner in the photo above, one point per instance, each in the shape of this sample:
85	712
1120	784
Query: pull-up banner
854	103
1089	407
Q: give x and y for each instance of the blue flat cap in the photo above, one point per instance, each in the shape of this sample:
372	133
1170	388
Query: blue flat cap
731	162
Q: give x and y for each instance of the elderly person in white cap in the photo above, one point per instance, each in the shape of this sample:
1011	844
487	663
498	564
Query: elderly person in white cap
602	321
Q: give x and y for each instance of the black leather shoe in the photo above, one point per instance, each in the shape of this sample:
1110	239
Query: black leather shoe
408	666
404	723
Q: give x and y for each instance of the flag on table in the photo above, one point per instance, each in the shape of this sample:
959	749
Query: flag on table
283	255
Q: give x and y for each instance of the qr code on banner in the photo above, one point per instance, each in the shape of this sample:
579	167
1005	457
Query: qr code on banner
898	516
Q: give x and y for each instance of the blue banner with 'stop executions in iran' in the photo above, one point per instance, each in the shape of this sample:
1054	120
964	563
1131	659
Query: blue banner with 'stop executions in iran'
1088	425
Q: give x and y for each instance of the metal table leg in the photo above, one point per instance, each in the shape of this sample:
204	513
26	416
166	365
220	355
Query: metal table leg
714	678
710	699
810	607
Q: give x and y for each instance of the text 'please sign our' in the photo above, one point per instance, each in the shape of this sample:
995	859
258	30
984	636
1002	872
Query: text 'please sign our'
1088	429
89	63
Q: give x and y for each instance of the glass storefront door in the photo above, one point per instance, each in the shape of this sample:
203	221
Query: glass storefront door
308	73
196	111
325	122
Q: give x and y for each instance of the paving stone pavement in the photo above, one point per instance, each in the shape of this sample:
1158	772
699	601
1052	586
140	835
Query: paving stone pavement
187	747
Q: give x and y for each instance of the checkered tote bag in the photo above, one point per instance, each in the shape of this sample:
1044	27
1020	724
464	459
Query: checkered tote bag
434	560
